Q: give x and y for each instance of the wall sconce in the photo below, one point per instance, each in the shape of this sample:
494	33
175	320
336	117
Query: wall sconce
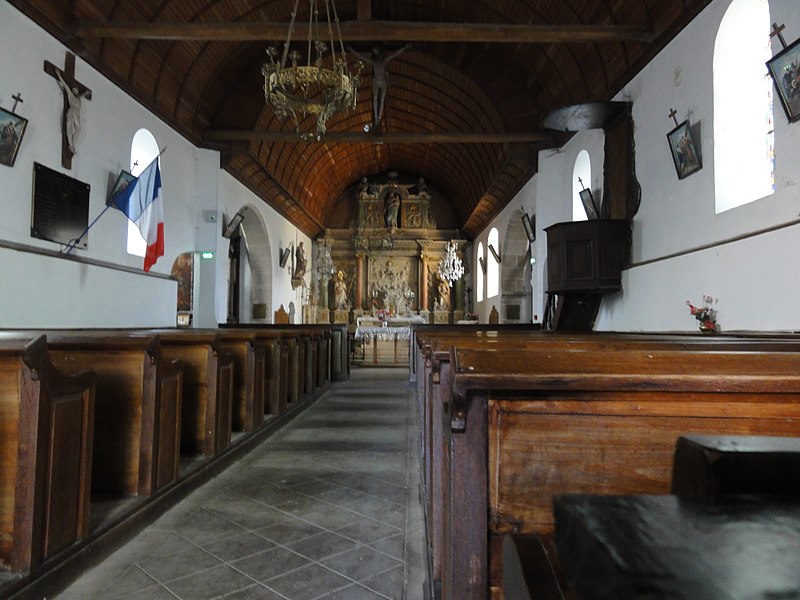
230	230
284	256
494	253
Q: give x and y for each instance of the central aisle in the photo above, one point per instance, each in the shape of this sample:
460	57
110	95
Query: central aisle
326	508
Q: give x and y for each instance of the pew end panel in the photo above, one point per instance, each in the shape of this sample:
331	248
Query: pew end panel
206	411
45	456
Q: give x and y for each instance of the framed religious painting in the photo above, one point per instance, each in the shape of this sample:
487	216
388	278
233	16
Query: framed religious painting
12	128
684	151
785	70
124	179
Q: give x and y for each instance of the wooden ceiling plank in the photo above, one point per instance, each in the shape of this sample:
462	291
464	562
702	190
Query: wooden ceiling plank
370	31
392	137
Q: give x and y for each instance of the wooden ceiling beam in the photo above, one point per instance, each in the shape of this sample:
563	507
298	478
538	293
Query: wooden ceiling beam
370	31
546	138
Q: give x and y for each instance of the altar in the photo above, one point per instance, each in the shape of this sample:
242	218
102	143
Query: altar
385	342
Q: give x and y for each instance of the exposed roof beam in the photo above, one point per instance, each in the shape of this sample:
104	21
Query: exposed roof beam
370	31
392	137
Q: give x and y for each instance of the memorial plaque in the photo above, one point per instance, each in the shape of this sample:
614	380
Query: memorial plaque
60	211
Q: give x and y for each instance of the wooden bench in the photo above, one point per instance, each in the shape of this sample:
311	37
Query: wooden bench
525	424
250	369
46	424
708	466
206	416
137	407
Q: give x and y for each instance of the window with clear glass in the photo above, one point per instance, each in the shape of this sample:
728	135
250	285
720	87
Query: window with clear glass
492	266
581	178
479	273
144	149
744	141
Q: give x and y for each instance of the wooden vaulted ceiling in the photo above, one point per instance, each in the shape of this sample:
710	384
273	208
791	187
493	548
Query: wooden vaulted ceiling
465	102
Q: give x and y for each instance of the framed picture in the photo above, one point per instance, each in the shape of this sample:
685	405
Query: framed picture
530	227
12	128
588	203
124	179
684	151
785	70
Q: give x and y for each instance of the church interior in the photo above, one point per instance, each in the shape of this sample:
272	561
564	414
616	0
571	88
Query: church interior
418	300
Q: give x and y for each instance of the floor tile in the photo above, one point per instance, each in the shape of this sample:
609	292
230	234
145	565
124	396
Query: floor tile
209	584
269	564
361	563
308	582
323	545
167	568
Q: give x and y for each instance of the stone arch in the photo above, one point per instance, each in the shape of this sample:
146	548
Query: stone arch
258	279
514	268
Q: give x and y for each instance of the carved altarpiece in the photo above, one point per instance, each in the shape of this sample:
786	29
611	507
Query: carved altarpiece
390	262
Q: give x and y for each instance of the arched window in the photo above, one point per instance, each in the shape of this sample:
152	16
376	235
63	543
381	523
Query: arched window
144	149
743	121
479	273
581	171
492	266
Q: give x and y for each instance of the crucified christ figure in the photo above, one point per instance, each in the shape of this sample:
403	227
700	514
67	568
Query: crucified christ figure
72	112
380	78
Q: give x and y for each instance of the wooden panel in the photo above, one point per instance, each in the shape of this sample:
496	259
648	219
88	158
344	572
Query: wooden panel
65	481
539	450
221	416
168	448
122	380
9	438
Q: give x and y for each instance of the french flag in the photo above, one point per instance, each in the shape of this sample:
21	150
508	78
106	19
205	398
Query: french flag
143	203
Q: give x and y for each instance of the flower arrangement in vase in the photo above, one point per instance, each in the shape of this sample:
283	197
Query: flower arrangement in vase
705	314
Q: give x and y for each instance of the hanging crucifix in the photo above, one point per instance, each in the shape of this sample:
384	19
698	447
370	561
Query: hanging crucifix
74	92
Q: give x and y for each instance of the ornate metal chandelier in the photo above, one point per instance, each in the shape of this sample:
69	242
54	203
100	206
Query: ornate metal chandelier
451	269
323	88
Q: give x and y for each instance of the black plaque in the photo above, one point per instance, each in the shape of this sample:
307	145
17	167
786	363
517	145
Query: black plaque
60	207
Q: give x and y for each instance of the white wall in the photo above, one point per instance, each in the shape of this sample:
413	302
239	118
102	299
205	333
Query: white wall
45	291
754	279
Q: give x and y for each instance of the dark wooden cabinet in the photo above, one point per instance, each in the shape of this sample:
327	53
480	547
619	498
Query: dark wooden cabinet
587	256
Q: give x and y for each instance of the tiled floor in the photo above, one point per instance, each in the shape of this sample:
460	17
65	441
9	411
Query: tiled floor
326	508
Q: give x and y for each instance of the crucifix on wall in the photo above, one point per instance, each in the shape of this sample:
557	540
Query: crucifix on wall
74	93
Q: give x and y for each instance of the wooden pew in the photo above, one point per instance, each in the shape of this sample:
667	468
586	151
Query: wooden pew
137	407
46	424
250	369
206	416
672	547
545	405
707	466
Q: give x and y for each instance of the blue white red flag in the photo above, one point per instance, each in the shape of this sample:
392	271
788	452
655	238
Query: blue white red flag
143	203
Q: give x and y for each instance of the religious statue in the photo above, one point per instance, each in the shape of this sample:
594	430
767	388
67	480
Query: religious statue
443	301
72	114
392	209
363	188
340	292
299	262
380	78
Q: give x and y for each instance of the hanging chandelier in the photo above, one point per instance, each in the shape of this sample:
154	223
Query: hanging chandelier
450	267
324	85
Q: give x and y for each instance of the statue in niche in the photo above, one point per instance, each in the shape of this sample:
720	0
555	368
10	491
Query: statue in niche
363	189
443	301
340	292
392	210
